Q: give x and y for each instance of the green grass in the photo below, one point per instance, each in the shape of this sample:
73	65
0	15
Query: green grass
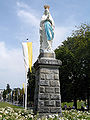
5	104
71	104
68	104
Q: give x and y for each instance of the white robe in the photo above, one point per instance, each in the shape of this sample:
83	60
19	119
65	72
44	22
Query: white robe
45	45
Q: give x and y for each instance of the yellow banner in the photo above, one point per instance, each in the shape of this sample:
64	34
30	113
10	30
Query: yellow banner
29	46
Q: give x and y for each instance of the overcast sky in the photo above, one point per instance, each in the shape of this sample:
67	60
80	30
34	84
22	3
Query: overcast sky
19	20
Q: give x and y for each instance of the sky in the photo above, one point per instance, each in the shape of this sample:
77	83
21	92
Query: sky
20	19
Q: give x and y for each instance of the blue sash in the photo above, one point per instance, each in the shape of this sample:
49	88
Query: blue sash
48	30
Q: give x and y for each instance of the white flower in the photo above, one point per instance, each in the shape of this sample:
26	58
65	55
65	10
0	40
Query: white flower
56	115
6	112
50	116
1	111
31	116
15	114
78	111
0	116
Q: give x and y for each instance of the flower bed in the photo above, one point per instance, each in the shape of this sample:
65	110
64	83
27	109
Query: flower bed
9	113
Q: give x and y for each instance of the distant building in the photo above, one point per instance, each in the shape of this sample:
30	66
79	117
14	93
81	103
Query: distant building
1	94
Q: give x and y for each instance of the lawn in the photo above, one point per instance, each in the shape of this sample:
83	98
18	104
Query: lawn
71	104
5	104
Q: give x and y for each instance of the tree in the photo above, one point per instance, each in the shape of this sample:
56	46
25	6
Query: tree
4	94
75	73
6	91
31	86
8	88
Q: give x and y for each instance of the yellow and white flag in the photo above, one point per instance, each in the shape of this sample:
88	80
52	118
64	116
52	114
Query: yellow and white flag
27	53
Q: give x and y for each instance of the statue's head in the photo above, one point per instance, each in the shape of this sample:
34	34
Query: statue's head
46	9
46	6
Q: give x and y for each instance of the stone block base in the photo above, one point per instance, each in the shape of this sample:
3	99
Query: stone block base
47	99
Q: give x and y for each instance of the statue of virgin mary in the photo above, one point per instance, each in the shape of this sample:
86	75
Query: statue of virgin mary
46	32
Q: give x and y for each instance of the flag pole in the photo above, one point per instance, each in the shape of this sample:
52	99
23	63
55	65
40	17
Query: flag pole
26	88
26	92
23	93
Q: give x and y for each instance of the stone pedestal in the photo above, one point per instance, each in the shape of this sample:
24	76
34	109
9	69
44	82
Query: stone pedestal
47	99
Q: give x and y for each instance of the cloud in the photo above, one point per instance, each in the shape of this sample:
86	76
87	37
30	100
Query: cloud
29	26
28	18
22	5
27	14
11	66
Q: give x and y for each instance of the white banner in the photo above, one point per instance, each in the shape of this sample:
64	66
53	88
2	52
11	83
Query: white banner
27	53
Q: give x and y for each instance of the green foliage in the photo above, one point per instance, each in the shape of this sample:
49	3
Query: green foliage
75	71
6	91
13	95
8	88
31	86
79	103
4	94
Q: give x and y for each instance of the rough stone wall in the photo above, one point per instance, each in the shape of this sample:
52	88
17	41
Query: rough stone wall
47	92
